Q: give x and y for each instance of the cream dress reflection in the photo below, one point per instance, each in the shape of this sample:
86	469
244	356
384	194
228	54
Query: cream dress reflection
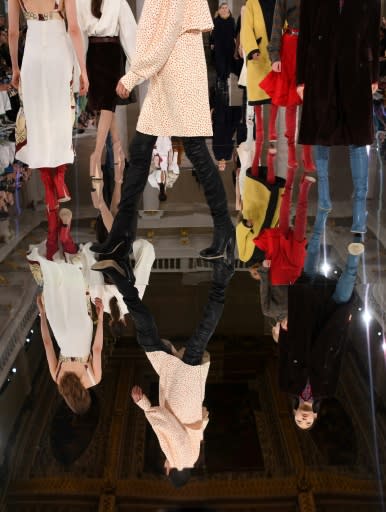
65	301
144	256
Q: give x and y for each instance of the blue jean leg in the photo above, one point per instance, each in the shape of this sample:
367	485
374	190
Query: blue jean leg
322	155
346	282
313	247
359	162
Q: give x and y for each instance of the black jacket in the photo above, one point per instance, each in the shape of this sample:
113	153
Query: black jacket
313	345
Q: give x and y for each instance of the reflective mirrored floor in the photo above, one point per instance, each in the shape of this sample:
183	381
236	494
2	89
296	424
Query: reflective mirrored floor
279	387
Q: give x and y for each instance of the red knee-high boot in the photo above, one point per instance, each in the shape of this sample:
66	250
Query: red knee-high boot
62	191
259	138
286	200
271	168
272	128
308	161
290	121
52	233
301	209
68	244
50	192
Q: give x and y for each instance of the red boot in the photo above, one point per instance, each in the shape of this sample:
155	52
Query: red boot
272	129
46	175
290	121
308	161
62	191
52	233
259	138
68	244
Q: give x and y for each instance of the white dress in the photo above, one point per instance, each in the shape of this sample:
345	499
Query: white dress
64	294
144	255
45	120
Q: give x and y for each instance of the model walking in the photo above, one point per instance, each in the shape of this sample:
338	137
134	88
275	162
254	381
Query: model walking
280	83
337	71
45	120
110	29
177	103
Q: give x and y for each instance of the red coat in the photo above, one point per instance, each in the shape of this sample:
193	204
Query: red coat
286	254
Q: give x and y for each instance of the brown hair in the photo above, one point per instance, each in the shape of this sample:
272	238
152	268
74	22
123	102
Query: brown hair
116	326
96	8
76	396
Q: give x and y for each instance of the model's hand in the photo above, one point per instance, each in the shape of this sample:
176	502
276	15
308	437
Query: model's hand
15	82
122	91
256	56
83	84
99	308
266	263
136	394
374	87
40	304
276	66
300	91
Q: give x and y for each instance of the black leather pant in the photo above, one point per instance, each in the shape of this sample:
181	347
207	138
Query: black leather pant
147	332
136	175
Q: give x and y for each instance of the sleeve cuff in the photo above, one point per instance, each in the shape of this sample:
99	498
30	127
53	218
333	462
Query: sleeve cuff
144	403
252	53
130	80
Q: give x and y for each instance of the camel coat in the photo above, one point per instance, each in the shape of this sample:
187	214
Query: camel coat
254	36
170	52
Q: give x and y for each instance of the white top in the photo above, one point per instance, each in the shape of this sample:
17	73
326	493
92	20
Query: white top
65	302
144	256
117	20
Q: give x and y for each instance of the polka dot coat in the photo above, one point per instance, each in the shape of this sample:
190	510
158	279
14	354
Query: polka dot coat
170	53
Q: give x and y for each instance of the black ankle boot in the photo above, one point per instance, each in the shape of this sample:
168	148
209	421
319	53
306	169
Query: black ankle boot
223	241
119	248
115	270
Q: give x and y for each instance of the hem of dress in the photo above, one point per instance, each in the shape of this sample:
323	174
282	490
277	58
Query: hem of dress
40	165
160	133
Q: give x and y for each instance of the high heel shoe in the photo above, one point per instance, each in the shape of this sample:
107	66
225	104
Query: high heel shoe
115	270
68	244
117	248
222	236
62	192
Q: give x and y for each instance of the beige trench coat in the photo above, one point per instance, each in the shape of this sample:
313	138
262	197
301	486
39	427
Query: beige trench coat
170	52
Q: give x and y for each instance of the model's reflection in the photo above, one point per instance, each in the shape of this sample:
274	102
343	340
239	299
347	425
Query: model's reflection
64	306
312	340
180	419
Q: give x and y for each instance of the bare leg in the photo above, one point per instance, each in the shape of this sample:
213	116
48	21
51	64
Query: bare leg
104	126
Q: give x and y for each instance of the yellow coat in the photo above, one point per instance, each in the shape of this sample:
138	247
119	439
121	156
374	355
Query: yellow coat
253	36
257	207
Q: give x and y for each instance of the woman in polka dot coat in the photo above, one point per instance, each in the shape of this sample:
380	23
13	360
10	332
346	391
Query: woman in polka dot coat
170	53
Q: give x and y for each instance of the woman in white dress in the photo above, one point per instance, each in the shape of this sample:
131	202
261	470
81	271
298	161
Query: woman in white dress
109	28
63	305
45	120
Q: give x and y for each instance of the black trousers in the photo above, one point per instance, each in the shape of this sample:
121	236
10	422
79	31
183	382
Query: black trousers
147	332
136	175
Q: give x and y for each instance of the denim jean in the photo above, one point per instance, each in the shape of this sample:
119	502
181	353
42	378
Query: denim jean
359	171
346	281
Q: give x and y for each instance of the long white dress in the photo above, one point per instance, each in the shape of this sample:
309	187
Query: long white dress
64	294
144	256
45	120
